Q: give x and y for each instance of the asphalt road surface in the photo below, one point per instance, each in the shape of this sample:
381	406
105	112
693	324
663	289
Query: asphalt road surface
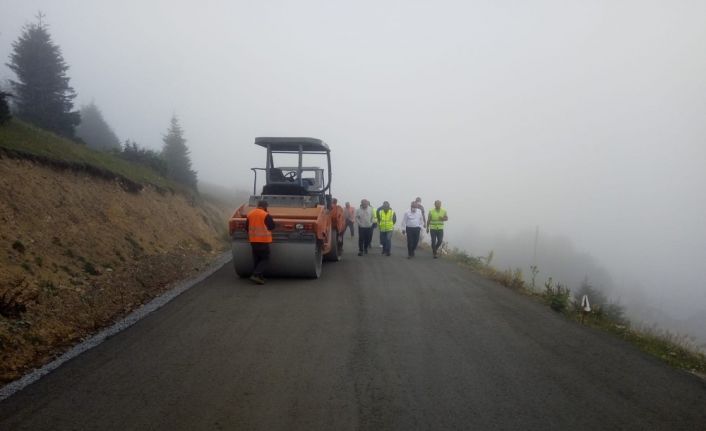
378	343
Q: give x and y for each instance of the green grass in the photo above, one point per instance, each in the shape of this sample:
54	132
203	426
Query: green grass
25	140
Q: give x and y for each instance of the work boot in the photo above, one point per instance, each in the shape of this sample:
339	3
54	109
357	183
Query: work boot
360	253
257	279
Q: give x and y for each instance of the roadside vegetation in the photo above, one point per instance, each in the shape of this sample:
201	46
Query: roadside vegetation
47	129
677	351
89	229
24	141
87	237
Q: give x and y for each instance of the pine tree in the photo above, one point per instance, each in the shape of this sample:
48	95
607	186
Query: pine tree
176	156
4	107
42	91
95	131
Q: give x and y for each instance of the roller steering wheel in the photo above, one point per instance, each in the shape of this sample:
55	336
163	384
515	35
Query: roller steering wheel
289	176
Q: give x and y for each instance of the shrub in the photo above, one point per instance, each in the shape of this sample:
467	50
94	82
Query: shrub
26	267
601	307
534	270
18	246
557	296
516	280
613	312
136	154
90	269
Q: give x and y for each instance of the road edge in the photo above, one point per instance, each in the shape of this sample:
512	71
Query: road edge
119	326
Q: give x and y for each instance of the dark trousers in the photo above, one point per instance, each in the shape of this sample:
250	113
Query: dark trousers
260	256
386	241
350	225
365	237
340	238
412	239
437	236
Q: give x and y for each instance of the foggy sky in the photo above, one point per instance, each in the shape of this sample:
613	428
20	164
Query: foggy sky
587	119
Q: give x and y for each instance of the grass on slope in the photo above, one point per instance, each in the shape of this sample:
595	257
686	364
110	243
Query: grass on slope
25	140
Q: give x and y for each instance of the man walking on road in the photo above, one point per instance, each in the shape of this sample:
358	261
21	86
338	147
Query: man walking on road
412	224
377	213
420	207
350	219
386	223
259	225
365	217
437	217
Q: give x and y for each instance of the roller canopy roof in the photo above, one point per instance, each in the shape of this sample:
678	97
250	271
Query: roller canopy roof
292	144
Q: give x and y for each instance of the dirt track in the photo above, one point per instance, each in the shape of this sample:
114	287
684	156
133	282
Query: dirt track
377	343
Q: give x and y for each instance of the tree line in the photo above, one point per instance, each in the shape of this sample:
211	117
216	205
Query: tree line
41	95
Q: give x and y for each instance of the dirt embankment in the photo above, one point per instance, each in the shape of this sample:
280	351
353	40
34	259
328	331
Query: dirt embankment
77	252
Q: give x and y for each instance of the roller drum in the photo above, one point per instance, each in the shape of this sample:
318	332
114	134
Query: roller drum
287	259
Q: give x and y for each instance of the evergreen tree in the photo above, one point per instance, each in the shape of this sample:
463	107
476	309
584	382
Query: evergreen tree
42	91
595	296
599	301
4	107
136	154
176	156
95	131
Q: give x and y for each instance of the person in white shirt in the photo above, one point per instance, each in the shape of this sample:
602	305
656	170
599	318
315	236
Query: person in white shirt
420	207
412	224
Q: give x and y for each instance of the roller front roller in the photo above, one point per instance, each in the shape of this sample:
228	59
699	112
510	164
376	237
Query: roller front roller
287	259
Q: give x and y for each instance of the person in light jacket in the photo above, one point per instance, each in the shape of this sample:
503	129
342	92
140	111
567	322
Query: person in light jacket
365	218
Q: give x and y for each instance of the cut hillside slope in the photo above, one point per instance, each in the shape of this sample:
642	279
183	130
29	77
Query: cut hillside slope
77	252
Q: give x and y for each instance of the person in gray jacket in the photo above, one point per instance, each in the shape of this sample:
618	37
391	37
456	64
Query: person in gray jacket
365	217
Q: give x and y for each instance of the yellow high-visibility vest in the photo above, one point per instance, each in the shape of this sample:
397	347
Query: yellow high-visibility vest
385	222
436	217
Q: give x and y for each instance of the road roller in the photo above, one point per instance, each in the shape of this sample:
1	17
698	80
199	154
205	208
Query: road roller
298	193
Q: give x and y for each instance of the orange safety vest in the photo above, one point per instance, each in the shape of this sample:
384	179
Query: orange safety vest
257	230
337	219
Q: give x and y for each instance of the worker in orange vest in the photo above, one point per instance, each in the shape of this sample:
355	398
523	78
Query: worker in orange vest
350	218
259	225
338	220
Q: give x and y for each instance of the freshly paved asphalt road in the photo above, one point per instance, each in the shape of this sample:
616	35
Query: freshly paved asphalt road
377	343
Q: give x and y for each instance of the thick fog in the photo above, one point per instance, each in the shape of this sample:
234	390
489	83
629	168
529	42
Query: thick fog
584	120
